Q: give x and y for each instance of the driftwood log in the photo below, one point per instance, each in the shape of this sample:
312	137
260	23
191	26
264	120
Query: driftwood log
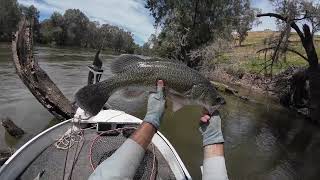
12	128
35	78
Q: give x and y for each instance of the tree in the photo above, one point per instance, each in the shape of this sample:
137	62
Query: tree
92	37
75	27
51	30
57	22
9	18
312	14
291	12
188	25
244	19
118	41
128	42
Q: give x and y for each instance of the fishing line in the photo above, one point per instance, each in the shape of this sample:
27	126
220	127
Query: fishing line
66	158
76	155
153	175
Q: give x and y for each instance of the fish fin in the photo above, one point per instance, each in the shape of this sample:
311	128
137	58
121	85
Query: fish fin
128	101
124	60
176	106
118	65
177	100
131	92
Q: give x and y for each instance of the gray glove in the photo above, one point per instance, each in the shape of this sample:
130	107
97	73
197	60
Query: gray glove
156	105
211	130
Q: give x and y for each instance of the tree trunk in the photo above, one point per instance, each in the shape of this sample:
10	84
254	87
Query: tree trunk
313	74
36	79
314	83
313	71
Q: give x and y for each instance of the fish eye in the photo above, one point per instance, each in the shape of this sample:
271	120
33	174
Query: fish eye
220	100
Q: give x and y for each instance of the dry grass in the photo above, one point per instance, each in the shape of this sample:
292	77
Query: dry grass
245	58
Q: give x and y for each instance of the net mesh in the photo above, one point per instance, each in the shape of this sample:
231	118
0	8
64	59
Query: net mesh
77	166
108	142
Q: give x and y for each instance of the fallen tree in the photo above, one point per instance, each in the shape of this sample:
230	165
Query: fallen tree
35	78
312	73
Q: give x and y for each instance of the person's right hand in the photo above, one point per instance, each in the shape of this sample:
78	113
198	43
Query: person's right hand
156	106
210	128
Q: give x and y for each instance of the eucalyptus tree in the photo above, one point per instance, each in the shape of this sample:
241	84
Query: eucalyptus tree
75	26
187	25
244	19
9	18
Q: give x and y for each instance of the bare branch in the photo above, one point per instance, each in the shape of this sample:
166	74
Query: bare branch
292	23
285	49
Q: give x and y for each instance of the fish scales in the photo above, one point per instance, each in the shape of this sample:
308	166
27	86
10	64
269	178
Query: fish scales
181	82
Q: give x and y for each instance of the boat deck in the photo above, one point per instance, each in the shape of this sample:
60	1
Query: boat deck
75	163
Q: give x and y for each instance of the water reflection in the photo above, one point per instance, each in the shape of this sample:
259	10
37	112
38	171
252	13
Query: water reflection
270	144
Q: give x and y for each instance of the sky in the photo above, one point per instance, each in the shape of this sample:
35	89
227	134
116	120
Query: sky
131	15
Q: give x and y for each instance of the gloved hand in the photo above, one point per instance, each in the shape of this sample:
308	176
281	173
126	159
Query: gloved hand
156	105
210	128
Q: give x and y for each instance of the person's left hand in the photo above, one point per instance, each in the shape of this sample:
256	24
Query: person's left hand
210	129
156	106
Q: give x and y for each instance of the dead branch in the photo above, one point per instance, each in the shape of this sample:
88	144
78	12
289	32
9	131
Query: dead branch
313	71
36	79
285	49
292	23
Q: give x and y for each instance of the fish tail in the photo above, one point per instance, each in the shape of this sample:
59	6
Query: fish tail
92	98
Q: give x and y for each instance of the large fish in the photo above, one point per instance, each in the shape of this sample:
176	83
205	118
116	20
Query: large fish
183	85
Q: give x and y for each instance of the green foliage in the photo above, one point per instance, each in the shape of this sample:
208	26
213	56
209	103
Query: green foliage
189	25
245	19
9	18
74	28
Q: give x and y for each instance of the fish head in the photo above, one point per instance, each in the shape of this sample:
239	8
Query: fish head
210	99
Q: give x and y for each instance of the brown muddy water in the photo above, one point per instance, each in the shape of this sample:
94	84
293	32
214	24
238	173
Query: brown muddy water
263	140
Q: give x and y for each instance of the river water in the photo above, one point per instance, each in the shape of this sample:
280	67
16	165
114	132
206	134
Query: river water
263	140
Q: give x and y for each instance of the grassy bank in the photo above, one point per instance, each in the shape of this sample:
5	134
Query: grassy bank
245	59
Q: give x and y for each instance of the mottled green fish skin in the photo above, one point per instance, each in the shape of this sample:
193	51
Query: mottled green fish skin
179	79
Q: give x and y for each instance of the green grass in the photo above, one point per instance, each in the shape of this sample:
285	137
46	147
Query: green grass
245	58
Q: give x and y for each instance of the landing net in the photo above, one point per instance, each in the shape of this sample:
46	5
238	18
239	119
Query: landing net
106	143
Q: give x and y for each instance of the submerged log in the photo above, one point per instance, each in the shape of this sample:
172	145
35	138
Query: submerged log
12	128
227	89
4	155
36	79
224	88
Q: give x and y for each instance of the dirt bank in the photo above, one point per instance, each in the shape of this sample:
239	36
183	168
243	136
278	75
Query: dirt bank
282	88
